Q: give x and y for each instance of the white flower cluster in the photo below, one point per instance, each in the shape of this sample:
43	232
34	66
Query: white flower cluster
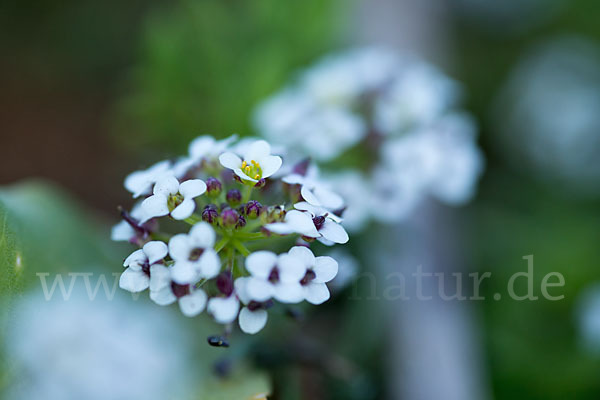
401	115
223	263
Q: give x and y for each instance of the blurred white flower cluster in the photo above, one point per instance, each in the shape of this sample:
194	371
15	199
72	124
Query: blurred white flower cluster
394	120
94	350
236	209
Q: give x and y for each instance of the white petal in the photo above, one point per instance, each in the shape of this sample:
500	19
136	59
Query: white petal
303	254
257	151
259	289
136	259
155	251
239	286
134	281
294	179
155	206
166	186
184	210
328	198
160	277
163	297
193	303
184	272
316	293
260	263
334	232
280	228
326	242
291	269
243	176
224	310
209	264
201	146
140	182
203	235
122	232
192	188
230	160
180	247
309	196
269	165
302	223
252	322
325	269
289	293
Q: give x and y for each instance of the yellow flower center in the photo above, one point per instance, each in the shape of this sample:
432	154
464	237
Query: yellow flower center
252	169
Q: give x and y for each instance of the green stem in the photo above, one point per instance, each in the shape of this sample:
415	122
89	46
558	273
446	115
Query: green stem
240	247
247	236
222	243
193	219
247	193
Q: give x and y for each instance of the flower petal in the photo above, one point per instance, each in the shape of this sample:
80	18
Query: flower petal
309	196
193	303
291	269
201	146
334	232
122	232
155	206
155	251
294	179
192	188
327	198
134	281
257	151
184	272
166	185
224	310
243	176
184	210
269	165
180	247
302	223
289	293
163	297
209	264
230	160
325	269
160	277
239	286
260	263
259	289
303	254
316	293
252	322
202	235
136	259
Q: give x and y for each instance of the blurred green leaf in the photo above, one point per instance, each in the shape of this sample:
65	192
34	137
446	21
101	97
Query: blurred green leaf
243	384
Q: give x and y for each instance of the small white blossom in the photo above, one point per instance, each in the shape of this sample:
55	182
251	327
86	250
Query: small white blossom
203	148
181	195
194	254
258	163
123	231
140	182
274	276
318	271
251	318
224	309
136	277
314	191
164	292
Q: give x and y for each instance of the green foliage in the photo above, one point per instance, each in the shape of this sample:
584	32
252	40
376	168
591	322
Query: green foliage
205	64
243	384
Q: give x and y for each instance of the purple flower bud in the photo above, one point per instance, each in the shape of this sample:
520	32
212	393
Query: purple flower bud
274	214
180	290
252	209
261	183
213	187
234	197
210	214
241	222
229	217
225	283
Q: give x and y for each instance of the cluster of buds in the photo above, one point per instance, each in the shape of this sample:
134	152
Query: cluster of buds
234	204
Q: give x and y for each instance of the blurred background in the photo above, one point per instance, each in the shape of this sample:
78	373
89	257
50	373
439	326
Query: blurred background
94	90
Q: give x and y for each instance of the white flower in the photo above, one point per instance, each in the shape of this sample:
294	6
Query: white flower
200	149
194	255
348	268
123	231
137	275
274	276
258	163
313	222
319	270
163	291
356	190
253	317
224	309
313	191
168	191
140	182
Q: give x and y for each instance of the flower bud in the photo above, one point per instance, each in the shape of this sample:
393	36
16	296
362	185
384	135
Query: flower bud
274	214
210	214
234	197
225	283
213	187
252	209
241	222
229	218
261	183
